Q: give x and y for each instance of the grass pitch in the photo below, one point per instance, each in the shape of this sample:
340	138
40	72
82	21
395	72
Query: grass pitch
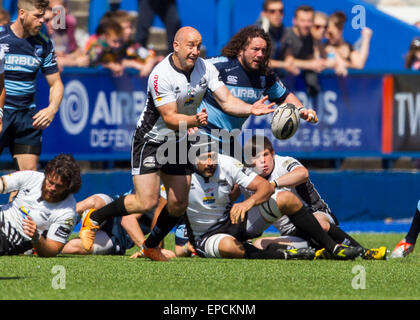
118	277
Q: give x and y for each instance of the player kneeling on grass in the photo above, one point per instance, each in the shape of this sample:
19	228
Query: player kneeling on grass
43	213
116	235
288	174
210	229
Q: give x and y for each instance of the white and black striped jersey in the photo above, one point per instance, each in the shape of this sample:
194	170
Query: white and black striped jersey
55	220
209	202
168	84
305	191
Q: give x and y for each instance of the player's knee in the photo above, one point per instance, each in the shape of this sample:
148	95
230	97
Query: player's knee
324	223
177	207
143	204
287	202
229	247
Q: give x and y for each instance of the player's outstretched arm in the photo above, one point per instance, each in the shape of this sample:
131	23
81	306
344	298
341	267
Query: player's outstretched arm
173	119
44	117
236	107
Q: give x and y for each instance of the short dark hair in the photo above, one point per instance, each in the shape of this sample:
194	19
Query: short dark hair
267	2
304	8
67	169
242	38
338	18
253	146
109	25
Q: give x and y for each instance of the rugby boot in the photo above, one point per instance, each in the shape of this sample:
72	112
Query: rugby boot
88	230
380	253
402	249
344	252
300	254
154	254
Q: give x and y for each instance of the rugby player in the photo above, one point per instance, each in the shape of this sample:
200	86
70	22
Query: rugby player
210	230
288	174
176	88
243	67
406	245
27	50
116	235
43	213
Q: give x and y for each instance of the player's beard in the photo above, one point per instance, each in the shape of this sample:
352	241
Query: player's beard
52	196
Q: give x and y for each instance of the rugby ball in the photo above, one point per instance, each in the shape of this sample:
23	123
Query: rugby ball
285	121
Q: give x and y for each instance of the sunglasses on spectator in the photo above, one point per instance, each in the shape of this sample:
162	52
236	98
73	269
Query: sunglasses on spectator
275	10
320	26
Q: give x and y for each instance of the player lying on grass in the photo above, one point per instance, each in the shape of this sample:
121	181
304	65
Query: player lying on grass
43	213
288	174
406	245
116	235
218	227
210	230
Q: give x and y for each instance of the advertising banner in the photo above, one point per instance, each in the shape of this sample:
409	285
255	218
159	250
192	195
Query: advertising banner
97	116
99	113
349	111
406	113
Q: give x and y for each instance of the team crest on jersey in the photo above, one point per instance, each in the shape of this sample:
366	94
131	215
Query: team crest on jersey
203	82
232	79
5	47
209	199
149	162
38	50
69	222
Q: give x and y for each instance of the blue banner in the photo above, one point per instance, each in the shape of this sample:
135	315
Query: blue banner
349	111
99	113
97	116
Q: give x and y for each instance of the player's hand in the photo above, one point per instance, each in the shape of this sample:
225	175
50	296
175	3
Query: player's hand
192	131
29	227
238	211
167	253
259	108
1	125
201	118
43	118
308	115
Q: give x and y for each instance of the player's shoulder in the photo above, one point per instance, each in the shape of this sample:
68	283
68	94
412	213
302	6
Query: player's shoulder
222	62
5	29
286	162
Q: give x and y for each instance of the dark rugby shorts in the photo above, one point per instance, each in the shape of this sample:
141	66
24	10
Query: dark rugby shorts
18	132
145	157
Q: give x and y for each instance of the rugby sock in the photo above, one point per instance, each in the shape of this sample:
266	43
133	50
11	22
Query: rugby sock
304	220
414	231
252	252
114	209
340	236
164	224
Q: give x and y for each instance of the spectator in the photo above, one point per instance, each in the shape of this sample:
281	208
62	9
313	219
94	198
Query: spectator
65	57
4	17
299	44
104	47
412	59
318	33
67	42
337	48
271	20
168	13
133	54
417	24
